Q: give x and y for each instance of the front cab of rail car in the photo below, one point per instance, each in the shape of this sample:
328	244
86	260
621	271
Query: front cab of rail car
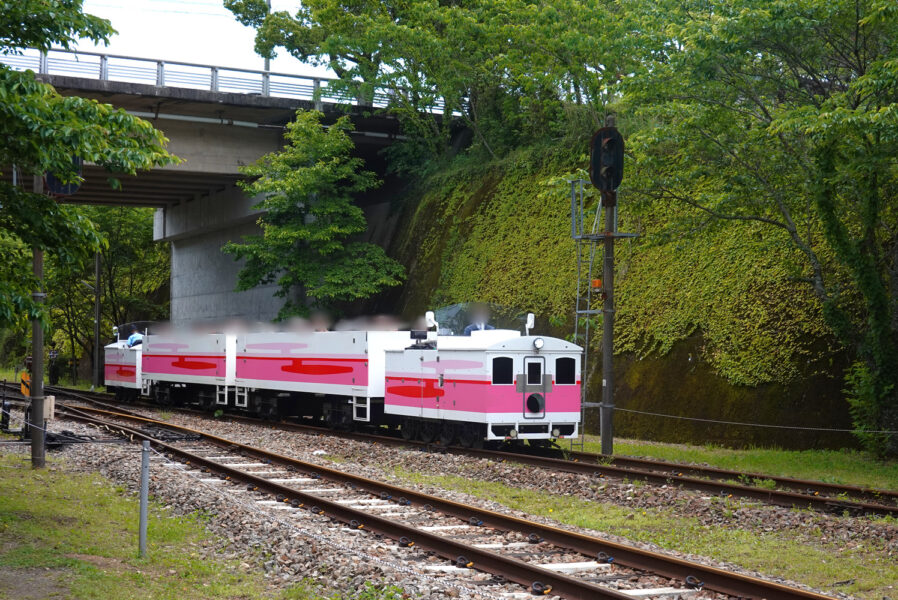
534	390
121	370
495	384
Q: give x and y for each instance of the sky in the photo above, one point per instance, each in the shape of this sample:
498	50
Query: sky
195	31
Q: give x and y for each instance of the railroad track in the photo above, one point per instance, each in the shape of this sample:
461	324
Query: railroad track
543	559
775	490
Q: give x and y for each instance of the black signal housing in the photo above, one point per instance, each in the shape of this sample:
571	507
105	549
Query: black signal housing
606	159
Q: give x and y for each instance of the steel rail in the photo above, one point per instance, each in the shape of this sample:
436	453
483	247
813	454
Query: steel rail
785	498
713	578
509	568
705	479
812	496
681	469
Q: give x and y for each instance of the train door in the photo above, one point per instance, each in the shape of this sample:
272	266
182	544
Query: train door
532	384
430	390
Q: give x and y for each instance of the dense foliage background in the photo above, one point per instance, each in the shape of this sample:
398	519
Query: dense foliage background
761	175
40	132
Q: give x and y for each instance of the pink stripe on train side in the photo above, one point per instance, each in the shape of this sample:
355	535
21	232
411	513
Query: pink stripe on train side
473	396
304	369
206	365
124	373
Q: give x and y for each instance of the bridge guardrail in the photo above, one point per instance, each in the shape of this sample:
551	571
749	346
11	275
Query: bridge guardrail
129	69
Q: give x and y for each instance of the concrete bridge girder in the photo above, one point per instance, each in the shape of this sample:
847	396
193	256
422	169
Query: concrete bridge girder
217	148
199	206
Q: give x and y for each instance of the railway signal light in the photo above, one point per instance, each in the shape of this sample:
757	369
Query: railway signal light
55	186
606	160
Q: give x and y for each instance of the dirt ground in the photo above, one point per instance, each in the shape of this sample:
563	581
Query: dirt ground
33	583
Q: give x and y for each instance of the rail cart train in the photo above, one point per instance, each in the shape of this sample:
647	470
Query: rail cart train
491	385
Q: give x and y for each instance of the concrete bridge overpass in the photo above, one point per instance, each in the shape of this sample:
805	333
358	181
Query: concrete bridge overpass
217	119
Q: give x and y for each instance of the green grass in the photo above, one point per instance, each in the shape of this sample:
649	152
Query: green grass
75	536
803	558
8	375
847	467
64	381
334	458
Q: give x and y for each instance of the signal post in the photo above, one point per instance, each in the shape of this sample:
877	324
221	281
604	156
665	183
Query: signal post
606	168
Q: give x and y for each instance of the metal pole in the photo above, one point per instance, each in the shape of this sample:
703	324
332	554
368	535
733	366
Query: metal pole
97	381
144	496
38	459
4	410
607	410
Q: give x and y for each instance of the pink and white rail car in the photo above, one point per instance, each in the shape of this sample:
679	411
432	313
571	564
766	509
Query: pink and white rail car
179	367
491	385
122	370
342	370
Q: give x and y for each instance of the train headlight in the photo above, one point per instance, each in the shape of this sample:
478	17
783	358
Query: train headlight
536	403
513	433
538	343
556	432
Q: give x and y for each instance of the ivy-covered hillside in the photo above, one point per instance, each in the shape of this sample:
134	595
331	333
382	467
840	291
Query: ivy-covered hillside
711	324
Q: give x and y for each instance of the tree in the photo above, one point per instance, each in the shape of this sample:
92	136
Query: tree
309	221
780	115
353	39
785	114
40	131
134	280
503	69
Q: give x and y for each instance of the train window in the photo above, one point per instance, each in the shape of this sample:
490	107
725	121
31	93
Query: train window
534	373
565	371
503	370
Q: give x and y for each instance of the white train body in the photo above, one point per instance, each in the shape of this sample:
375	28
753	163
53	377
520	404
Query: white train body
495	378
491	385
122	366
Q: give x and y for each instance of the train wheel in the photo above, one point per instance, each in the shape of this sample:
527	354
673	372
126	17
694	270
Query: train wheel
428	431
408	429
448	434
163	395
338	419
268	409
471	436
206	399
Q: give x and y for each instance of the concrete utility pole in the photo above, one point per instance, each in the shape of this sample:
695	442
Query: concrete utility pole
38	459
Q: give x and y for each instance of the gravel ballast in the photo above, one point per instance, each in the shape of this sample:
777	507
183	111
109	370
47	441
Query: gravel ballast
325	552
378	461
